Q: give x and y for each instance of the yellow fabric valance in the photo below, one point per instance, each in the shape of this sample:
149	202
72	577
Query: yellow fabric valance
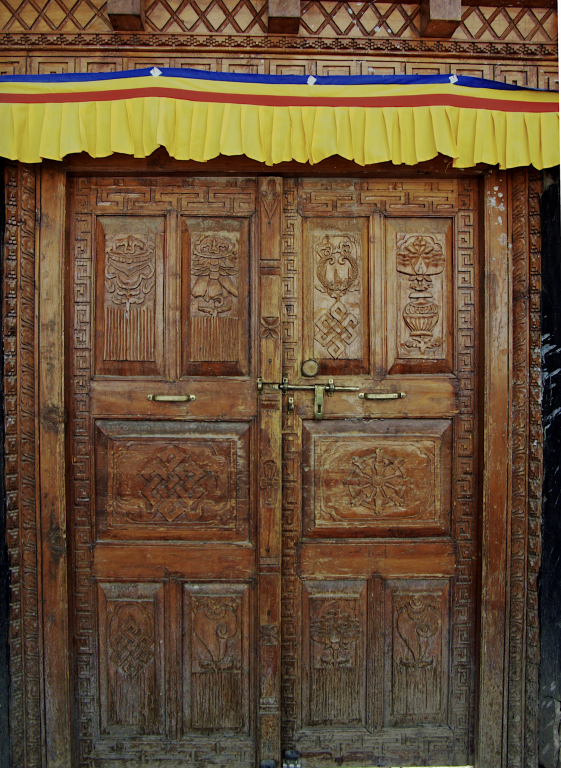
200	115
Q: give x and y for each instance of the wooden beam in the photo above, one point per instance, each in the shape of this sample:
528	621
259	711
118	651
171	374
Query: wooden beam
52	471
497	429
440	18
284	17
126	15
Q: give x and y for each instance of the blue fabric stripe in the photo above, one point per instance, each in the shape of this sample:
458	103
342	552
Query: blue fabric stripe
196	74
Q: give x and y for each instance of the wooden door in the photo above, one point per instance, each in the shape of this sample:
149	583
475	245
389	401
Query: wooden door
174	470
380	496
185	619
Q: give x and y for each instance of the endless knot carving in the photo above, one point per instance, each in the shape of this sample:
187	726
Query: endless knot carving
173	485
376	482
420	256
337	272
417	622
129	268
336	629
131	639
214	268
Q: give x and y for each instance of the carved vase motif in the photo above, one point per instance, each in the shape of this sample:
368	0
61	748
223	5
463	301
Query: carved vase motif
420	257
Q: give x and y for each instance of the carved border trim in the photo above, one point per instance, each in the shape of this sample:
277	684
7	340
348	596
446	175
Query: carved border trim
526	463
20	414
535	473
253	44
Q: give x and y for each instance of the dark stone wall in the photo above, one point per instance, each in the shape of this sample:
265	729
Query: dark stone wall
550	577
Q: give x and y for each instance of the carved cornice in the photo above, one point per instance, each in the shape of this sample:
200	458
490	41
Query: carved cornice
270	44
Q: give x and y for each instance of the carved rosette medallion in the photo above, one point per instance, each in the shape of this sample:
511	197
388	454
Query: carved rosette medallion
376	481
420	257
337	271
214	274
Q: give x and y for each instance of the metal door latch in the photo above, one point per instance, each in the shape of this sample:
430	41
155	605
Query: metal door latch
319	390
291	759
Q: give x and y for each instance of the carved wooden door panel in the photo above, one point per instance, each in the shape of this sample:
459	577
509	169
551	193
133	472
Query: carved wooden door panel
168	456
379	497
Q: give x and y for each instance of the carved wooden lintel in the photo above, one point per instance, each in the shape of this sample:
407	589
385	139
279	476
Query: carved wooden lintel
283	17
440	18
126	15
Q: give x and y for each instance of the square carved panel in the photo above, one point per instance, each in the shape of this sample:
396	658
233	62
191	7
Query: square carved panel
168	480
386	477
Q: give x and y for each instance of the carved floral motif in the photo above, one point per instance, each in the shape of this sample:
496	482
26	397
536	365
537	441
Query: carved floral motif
131	638
420	257
215	624
337	273
376	481
270	327
214	269
417	622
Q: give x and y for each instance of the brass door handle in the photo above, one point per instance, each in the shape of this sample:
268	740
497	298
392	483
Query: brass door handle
381	395
172	398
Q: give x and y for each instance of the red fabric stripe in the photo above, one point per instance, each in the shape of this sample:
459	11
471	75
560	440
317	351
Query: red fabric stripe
421	100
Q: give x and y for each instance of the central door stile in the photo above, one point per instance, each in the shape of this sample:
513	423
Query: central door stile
270	463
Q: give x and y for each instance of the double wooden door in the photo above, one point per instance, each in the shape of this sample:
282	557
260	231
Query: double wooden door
253	570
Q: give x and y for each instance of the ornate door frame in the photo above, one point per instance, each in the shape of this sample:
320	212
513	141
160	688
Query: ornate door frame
33	318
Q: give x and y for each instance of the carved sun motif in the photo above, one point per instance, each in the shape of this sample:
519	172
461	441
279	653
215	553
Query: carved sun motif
376	481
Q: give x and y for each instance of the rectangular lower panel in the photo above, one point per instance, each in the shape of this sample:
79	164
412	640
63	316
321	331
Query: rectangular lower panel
334	653
216	643
416	652
131	674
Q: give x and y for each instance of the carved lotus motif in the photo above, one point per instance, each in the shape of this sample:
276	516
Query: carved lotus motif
418	621
214	264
